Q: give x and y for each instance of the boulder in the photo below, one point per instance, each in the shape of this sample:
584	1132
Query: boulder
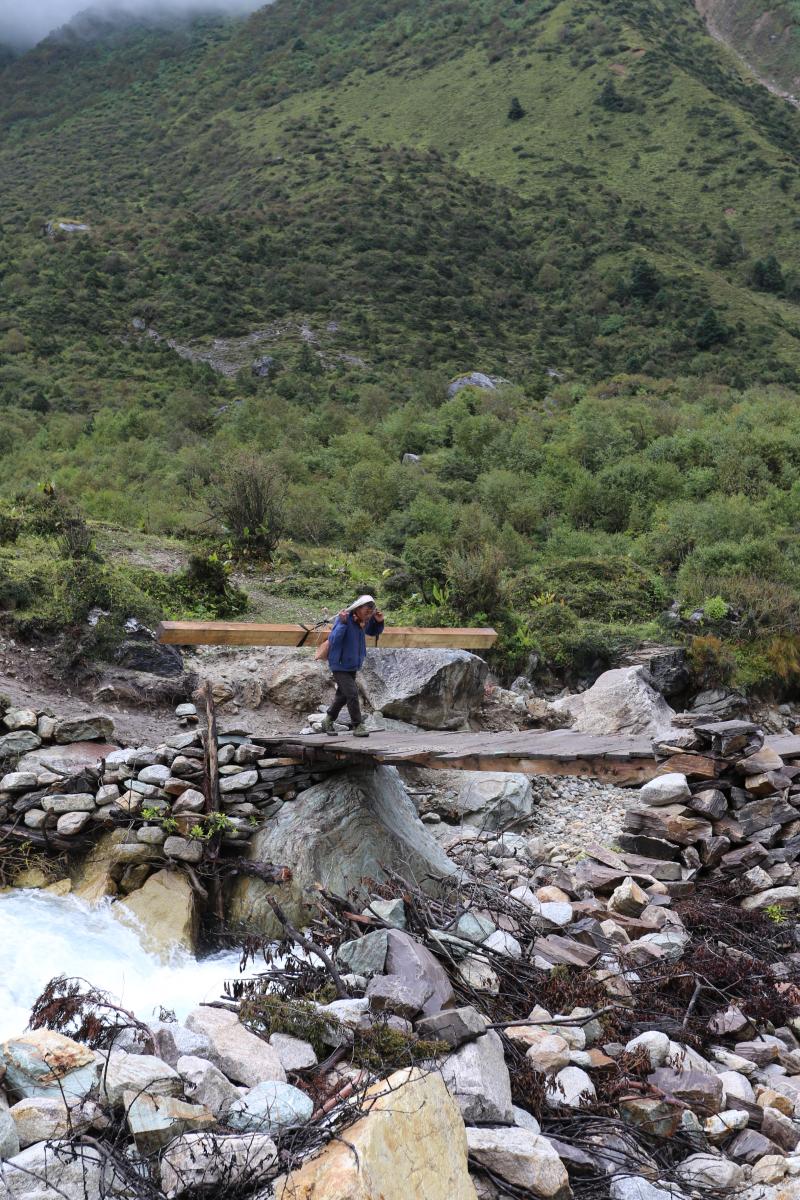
146	655
365	955
45	1063
41	1118
155	1120
476	379
412	1143
336	833
84	729
621	701
270	1107
477	1078
697	1089
390	993
294	1053
453	1025
710	1171
435	689
238	1053
413	963
72	823
174	1041
655	1043
163	910
215	1163
137	1073
628	899
636	1187
493	799
203	1083
58	1169
19	741
9	1138
20	718
300	683
523	1158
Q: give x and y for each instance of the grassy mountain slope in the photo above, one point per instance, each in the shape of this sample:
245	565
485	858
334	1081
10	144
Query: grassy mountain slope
346	183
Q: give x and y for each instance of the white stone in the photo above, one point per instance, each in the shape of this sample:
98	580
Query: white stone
736	1086
20	718
477	1078
710	1170
156	774
503	943
722	1124
72	823
294	1053
569	1088
18	781
520	1157
620	701
672	788
655	1043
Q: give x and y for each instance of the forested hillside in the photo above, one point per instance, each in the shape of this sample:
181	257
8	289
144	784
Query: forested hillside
302	226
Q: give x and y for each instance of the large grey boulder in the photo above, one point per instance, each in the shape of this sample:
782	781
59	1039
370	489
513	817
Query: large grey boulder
478	1080
494	799
621	701
435	689
300	683
523	1158
336	833
59	1169
215	1163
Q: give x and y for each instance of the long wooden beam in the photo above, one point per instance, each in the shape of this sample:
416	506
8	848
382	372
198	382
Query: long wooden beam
251	633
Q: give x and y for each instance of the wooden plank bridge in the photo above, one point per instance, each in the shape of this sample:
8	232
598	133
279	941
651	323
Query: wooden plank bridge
627	761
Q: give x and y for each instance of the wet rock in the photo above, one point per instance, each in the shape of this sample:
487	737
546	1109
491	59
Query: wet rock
164	910
477	1077
522	1158
238	1053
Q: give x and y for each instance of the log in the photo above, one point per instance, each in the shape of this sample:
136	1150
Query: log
252	633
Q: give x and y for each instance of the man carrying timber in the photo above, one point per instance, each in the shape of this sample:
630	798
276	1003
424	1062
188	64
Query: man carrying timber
347	649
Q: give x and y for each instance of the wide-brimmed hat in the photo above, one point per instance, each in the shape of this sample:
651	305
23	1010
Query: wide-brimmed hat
361	600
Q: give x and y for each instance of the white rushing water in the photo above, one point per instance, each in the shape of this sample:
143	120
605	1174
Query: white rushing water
42	936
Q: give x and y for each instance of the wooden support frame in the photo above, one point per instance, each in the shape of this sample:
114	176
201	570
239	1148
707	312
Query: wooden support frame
252	633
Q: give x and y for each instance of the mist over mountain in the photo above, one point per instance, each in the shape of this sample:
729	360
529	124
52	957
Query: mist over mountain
22	26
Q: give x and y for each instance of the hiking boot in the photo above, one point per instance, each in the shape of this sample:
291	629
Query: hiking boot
361	730
326	726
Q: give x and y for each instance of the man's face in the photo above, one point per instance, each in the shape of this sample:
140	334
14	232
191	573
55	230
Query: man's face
362	612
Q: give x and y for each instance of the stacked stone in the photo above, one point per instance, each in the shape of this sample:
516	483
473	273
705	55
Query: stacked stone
724	804
150	797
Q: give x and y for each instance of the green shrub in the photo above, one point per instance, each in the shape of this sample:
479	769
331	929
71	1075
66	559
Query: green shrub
715	609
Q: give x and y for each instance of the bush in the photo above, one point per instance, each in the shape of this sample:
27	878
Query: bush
609	589
715	609
474	578
711	662
248	499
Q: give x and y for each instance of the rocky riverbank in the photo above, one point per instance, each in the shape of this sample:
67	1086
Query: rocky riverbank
498	1022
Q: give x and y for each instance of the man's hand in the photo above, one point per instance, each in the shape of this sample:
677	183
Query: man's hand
377	614
344	614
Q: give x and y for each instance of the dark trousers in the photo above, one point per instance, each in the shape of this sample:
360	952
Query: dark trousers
346	693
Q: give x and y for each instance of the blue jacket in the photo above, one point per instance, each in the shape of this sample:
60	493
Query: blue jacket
347	644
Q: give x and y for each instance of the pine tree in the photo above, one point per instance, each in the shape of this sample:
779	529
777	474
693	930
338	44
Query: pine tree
767	274
516	112
710	330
